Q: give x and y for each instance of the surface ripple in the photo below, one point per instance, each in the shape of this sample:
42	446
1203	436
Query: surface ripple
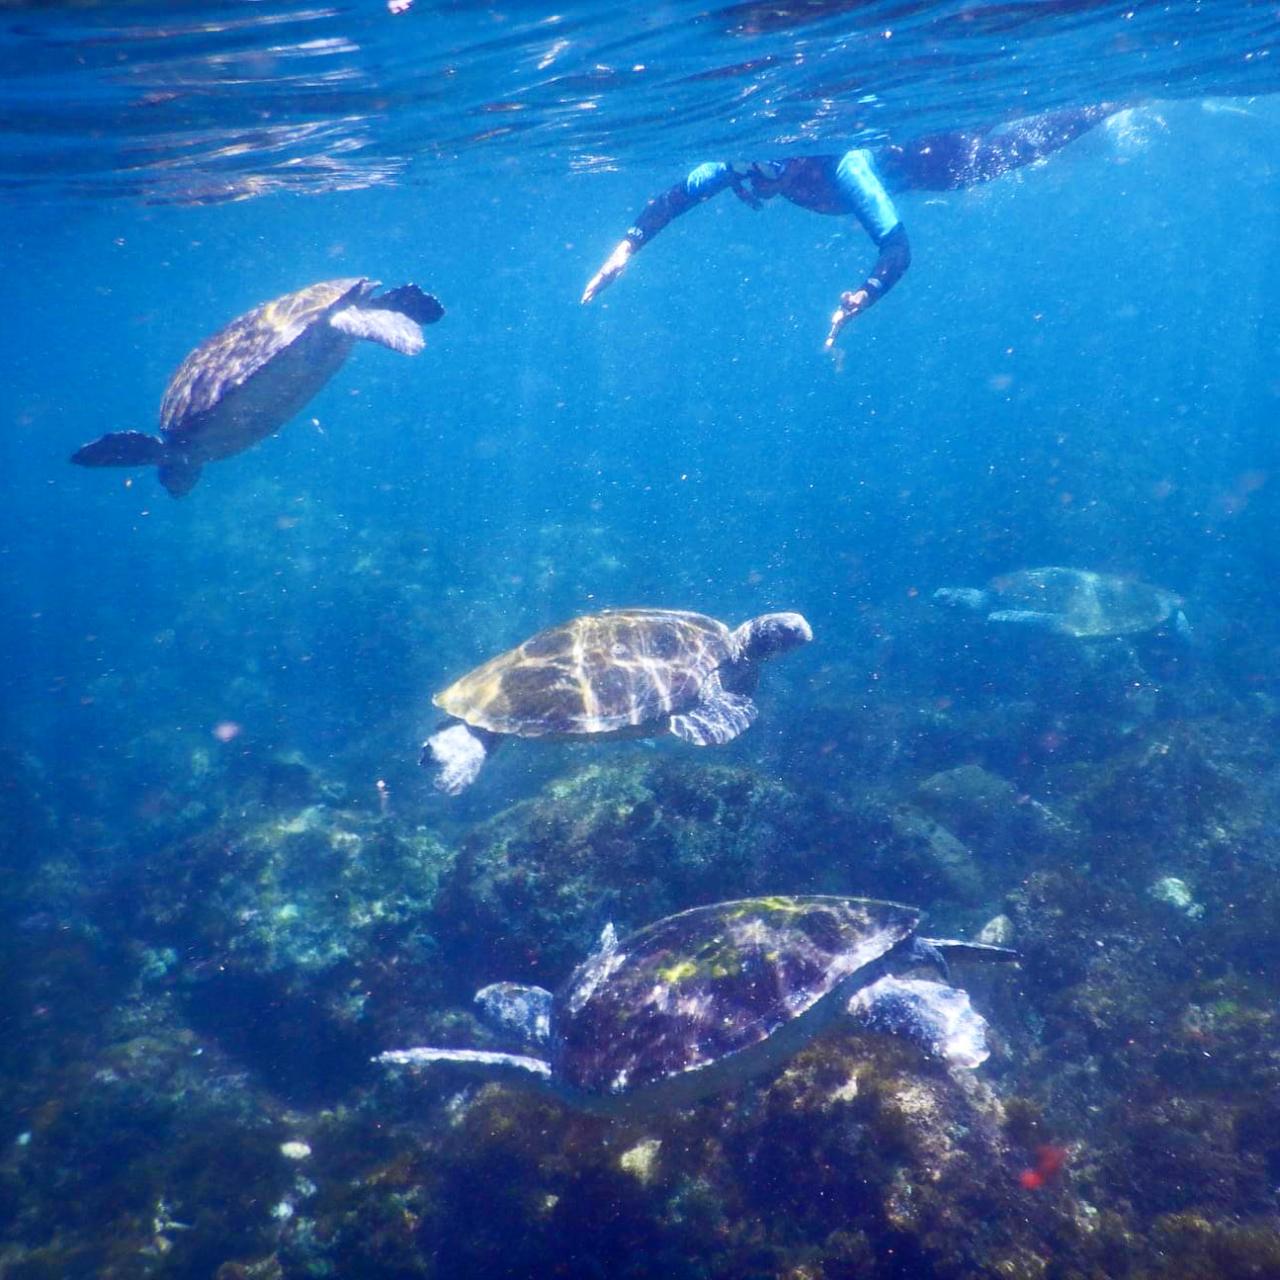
170	101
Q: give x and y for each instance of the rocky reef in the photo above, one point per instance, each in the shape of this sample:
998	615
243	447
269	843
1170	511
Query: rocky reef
191	1022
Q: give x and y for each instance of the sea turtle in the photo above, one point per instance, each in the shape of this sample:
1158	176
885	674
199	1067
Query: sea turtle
622	672
1072	602
247	380
720	993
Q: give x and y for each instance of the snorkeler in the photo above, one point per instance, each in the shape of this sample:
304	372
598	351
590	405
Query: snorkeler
859	182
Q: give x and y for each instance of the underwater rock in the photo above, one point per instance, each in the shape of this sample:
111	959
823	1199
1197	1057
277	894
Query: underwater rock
1147	1054
935	858
1193	1246
1173	782
743	1184
1177	893
145	1150
628	842
641	1161
29	832
989	813
997	932
301	936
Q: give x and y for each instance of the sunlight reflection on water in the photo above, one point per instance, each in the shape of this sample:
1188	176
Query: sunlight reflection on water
192	102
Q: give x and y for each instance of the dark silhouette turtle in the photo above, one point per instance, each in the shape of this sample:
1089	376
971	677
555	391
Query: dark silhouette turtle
715	995
623	672
1072	602
246	381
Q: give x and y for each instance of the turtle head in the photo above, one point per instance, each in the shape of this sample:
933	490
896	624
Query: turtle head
513	1007
961	598
771	634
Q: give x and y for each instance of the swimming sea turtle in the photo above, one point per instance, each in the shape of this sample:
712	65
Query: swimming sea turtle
720	993
1073	602
252	376
623	672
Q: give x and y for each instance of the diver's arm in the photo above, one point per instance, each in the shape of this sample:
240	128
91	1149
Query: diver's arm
894	259
860	186
704	182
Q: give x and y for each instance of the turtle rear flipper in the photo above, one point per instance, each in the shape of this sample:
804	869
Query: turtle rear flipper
179	476
121	449
388	328
459	754
413	302
718	718
516	1007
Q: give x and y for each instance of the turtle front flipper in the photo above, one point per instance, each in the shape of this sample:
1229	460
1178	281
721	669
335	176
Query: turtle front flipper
459	753
1055	622
479	1061
718	717
121	449
955	949
962	598
937	1018
388	328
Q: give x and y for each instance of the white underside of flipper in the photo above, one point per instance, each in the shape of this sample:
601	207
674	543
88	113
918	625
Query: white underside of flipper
389	328
934	1016
459	756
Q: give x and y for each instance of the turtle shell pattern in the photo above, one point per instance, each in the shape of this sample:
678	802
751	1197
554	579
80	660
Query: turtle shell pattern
599	673
696	987
230	357
1091	604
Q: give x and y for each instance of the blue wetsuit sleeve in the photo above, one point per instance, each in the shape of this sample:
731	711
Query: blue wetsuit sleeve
858	182
860	186
702	183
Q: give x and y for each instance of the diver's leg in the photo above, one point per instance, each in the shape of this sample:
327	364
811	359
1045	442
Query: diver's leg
949	161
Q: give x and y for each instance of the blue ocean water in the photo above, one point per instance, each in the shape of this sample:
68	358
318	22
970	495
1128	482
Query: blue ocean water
1079	368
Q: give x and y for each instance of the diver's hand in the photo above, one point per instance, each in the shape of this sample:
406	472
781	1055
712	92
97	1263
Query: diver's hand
850	305
611	270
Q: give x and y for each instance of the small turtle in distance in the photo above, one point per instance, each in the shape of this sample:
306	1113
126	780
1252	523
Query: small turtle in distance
718	994
619	673
1071	602
246	381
